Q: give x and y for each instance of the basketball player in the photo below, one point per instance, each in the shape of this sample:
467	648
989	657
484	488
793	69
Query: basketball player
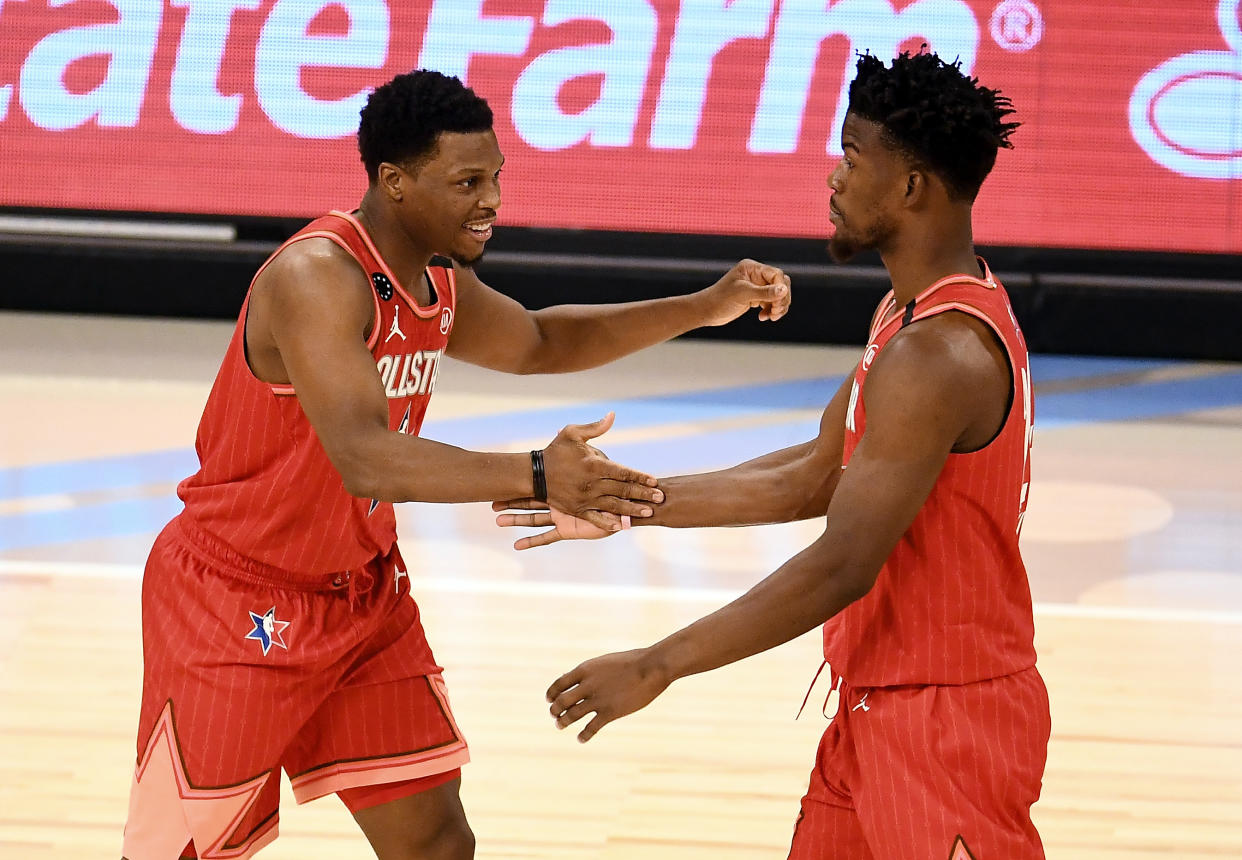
921	466
278	627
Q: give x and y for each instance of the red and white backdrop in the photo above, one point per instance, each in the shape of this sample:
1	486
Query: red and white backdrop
700	116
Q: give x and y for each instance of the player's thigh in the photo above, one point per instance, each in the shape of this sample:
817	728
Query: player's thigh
961	762
429	825
828	827
828	832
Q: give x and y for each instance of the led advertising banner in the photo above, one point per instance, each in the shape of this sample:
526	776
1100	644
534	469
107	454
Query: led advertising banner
700	116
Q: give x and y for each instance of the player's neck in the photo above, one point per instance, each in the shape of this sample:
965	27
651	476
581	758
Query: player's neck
406	259
923	257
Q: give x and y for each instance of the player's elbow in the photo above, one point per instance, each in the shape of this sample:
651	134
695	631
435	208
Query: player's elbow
852	584
361	482
360	472
856	588
806	508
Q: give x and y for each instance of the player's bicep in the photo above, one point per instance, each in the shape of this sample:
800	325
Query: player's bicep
915	412
320	309
491	329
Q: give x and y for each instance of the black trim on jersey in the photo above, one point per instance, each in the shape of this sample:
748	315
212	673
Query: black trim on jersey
908	316
432	295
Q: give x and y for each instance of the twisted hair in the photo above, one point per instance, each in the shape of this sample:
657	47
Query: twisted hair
939	116
402	119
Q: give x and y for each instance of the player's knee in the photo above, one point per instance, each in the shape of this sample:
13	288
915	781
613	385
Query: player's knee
452	839
458	841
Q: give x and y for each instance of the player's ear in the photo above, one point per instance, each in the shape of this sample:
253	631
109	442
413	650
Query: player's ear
916	188
390	178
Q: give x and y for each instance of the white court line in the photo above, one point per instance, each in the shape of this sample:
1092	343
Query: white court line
714	596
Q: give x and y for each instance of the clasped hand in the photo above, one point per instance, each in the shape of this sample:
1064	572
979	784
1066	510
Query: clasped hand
587	492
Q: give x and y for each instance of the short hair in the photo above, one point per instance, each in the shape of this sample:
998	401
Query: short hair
403	119
939	116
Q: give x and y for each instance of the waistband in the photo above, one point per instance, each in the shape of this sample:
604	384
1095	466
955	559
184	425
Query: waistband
215	552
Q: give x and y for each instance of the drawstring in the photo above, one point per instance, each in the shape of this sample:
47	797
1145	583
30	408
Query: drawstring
836	689
356	585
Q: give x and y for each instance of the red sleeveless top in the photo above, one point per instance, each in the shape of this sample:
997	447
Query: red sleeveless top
266	487
952	604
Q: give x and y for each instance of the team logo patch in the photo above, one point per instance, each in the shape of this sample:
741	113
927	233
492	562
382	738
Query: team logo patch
446	320
383	286
267	630
960	851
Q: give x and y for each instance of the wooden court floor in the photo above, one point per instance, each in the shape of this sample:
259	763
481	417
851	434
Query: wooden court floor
1133	541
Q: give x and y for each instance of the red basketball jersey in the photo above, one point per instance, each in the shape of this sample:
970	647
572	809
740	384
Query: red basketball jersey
952	604
265	485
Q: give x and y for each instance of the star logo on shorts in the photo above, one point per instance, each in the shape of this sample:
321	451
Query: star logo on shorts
267	630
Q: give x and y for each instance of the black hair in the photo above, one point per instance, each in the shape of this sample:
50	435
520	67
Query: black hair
402	119
937	115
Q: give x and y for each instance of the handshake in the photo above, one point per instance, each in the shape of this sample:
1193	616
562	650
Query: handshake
580	494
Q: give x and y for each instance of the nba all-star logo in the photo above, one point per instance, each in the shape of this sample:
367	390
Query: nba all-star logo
267	630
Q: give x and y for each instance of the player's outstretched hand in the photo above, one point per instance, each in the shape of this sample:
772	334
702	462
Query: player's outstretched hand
609	687
563	526
584	483
748	285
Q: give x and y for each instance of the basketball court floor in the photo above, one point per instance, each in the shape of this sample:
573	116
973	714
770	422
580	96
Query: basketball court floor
1133	541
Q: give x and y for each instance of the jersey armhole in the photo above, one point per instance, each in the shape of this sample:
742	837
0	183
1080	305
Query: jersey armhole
972	311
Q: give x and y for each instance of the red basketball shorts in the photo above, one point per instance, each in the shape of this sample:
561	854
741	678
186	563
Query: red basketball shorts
248	670
929	773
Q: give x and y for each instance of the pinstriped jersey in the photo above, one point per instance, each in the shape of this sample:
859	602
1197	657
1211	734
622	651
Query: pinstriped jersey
952	604
265	485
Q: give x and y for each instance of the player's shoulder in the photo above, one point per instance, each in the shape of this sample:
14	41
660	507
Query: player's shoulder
315	275
950	351
312	265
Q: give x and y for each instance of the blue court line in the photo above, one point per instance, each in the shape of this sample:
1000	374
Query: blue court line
87	522
638	412
1127	402
1061	368
111	473
1145	400
1119	403
676	455
99	473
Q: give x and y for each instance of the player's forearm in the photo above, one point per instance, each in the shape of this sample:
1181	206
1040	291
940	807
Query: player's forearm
395	467
779	487
801	595
579	337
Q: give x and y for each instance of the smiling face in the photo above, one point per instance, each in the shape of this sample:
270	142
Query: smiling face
448	201
868	186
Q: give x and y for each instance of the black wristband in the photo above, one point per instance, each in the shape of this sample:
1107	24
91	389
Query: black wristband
541	480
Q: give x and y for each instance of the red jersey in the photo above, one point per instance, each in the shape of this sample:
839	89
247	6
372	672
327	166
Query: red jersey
952	604
266	487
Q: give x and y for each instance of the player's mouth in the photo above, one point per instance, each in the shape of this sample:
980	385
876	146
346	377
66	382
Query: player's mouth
834	214
480	230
